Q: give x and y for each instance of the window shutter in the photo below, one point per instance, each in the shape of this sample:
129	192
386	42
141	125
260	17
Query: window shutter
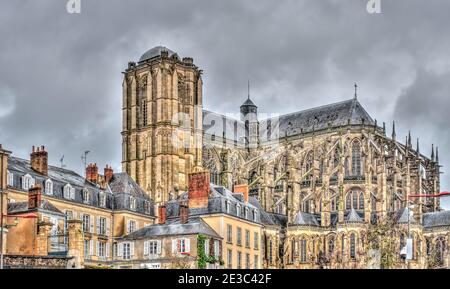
211	245
72	193
91	248
158	247
97	223
91	221
187	245
174	245
120	250
107	227
98	248
132	249
216	249
146	244
108	248
206	247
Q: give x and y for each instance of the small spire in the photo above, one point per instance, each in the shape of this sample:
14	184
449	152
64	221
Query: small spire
437	154
418	147
384	127
409	140
394	135
432	152
248	89
356	91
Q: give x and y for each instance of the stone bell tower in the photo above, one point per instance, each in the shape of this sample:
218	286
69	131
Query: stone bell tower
162	122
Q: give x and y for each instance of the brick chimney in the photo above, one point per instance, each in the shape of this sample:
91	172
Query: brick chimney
34	197
242	189
199	189
39	160
92	173
108	174
184	213
162	214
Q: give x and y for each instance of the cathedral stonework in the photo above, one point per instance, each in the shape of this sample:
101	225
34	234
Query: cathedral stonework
329	177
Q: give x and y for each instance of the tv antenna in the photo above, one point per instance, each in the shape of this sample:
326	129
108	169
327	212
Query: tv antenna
61	160
84	158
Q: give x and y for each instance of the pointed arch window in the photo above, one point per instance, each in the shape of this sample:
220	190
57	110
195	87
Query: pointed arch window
356	159
303	251
331	246
309	165
361	201
354	200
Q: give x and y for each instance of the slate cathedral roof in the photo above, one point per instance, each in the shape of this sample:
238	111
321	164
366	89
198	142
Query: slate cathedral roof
304	121
117	194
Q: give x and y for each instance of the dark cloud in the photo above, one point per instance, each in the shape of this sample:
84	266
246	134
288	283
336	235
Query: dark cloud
60	74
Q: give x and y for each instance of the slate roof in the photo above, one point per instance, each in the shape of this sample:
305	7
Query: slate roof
335	114
217	203
306	219
194	226
401	216
21	207
155	52
117	194
436	219
248	102
318	118
268	219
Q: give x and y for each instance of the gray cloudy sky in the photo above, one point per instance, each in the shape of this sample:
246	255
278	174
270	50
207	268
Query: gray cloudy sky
60	73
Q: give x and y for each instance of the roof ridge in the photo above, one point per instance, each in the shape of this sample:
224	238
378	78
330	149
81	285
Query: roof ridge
314	108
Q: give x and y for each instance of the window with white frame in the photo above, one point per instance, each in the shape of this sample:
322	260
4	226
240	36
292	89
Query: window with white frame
207	250
238	210
247	238
255	215
101	249
131	226
256	240
69	192
48	187
86	223
102	199
256	262
227	206
126	250
27	182
239	236
152	248
246	213
86	196
133	203
229	259
101	225
216	249
10	179
181	246
229	233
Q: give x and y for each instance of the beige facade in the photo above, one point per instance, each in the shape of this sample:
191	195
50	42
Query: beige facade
242	246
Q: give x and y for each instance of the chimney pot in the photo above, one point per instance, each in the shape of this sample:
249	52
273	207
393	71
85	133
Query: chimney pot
162	214
184	213
242	189
34	197
92	173
39	160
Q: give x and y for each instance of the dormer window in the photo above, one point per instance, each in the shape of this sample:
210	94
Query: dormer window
27	182
255	215
10	179
133	203
238	210
102	199
69	192
227	206
86	196
147	207
48	187
246	213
